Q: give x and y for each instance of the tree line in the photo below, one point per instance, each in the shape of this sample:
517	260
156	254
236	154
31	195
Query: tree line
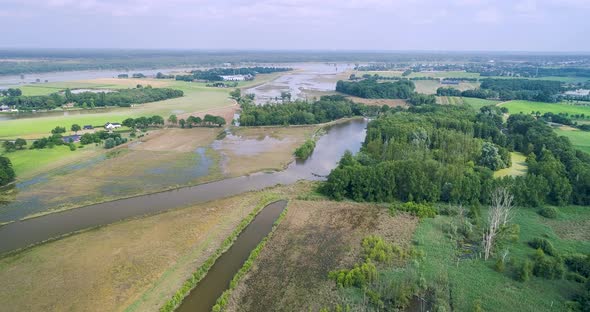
327	108
510	89
122	98
372	89
215	74
7	174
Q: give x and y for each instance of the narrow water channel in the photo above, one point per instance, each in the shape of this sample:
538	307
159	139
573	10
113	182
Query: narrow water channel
329	149
202	298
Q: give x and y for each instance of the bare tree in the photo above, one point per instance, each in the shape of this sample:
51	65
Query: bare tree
500	213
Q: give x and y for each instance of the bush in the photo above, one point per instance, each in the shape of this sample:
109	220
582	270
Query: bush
575	277
500	266
419	210
549	212
305	150
524	271
544	245
579	264
551	268
109	143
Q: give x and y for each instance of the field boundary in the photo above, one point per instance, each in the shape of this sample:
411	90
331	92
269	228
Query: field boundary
222	301
174	302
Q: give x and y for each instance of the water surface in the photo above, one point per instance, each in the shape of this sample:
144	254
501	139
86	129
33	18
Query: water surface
329	149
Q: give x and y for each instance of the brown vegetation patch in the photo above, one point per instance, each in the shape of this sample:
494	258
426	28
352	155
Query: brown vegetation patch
314	238
177	140
227	112
380	102
571	229
109	268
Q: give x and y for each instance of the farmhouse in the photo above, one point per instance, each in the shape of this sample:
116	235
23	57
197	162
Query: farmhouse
71	138
4	108
112	125
237	77
88	127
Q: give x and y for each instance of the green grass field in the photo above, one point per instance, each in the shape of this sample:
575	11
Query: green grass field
518	168
197	98
580	139
526	107
472	280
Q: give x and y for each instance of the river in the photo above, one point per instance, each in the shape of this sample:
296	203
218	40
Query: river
329	149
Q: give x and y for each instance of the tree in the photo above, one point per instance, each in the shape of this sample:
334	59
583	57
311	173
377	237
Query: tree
285	95
129	122
156	120
58	130
182	122
20	143
9	146
236	94
500	213
6	172
109	143
76	128
173	119
490	157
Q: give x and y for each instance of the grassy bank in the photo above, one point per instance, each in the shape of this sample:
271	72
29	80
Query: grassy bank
518	167
222	301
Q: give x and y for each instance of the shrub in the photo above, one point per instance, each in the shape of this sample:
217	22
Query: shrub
500	266
575	277
544	245
549	212
377	249
524	271
359	276
417	209
305	150
579	264
551	268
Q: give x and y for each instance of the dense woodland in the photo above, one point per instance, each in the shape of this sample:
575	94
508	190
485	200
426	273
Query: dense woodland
122	98
372	89
215	74
438	153
327	108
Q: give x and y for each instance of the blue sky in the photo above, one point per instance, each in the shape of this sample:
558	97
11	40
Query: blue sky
501	25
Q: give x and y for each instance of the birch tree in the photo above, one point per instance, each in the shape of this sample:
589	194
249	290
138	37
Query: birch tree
500	213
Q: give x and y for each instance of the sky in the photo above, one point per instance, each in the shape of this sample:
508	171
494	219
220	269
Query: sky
433	25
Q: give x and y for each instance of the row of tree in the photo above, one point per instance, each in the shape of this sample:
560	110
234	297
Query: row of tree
7	174
373	89
215	74
327	108
510	89
122	98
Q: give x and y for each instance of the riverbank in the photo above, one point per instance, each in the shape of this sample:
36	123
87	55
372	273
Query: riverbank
143	261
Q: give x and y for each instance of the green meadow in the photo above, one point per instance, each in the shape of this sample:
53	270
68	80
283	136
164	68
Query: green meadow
580	139
526	107
475	280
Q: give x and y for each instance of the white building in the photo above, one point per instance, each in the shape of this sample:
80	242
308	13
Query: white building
234	78
111	126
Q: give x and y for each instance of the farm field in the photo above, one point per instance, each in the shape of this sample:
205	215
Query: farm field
473	102
142	262
27	163
474	280
526	107
291	273
580	139
197	98
518	168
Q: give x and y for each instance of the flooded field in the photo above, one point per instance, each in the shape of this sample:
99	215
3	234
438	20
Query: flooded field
329	149
304	82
